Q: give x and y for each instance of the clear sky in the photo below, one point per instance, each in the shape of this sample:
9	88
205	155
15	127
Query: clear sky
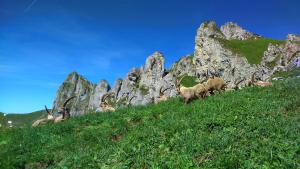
42	41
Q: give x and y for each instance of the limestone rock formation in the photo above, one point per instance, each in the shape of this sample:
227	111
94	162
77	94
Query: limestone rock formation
213	59
141	86
74	85
210	58
282	57
233	31
185	66
96	96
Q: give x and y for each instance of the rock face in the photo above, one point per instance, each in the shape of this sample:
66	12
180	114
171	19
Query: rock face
95	98
74	85
210	58
142	86
233	31
185	66
282	57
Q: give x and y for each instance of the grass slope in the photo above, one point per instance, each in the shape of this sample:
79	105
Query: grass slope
252	49
251	128
22	119
285	74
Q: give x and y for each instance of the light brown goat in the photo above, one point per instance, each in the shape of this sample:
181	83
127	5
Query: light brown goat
259	82
64	114
44	120
198	91
215	84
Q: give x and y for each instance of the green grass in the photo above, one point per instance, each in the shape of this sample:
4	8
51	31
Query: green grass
252	49
20	120
188	81
294	72
250	128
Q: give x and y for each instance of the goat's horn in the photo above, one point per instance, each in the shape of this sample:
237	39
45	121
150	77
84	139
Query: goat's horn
179	81
66	102
253	77
162	91
47	110
240	81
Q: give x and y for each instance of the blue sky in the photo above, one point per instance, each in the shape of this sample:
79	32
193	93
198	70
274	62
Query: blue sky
42	41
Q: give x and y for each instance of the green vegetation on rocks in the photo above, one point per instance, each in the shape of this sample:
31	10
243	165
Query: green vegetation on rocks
252	49
188	81
285	74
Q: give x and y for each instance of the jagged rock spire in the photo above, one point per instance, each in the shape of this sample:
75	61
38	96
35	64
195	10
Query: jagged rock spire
74	85
210	58
233	31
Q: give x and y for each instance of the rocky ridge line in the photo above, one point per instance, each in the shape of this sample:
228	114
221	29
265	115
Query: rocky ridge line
210	58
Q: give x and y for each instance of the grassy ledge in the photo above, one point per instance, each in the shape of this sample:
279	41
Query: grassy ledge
251	128
285	74
188	81
252	49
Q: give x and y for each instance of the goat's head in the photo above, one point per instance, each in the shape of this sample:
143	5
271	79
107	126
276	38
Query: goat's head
162	91
178	83
49	114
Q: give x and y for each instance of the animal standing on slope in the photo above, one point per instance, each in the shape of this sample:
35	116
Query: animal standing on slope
198	91
215	84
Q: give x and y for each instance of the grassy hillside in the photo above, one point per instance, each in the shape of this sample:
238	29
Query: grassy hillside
252	49
251	128
20	120
285	74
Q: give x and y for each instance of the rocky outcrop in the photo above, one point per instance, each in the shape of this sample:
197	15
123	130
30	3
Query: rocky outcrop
141	86
233	31
282	57
97	94
185	66
211	57
74	85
